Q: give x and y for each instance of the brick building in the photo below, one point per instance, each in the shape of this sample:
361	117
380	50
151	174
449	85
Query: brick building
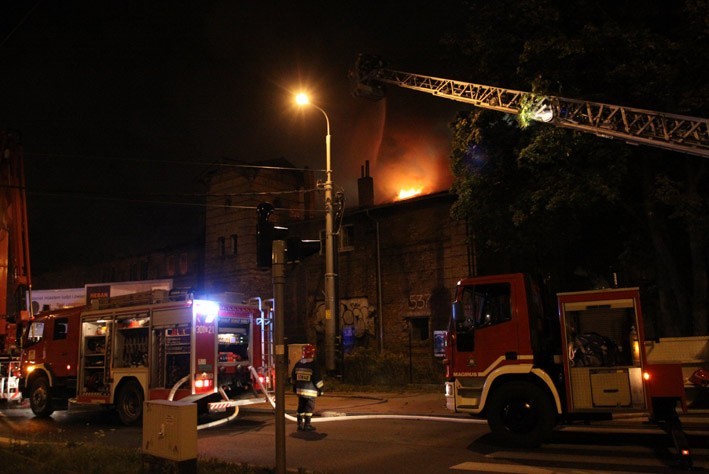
235	189
397	263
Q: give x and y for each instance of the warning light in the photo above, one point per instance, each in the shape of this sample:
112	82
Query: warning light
202	383
208	309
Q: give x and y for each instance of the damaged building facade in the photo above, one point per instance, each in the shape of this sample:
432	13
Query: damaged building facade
397	263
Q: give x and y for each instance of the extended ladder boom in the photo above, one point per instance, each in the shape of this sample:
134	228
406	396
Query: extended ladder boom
636	126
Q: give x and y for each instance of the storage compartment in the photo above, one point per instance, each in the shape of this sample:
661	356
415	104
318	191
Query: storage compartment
601	333
171	355
610	388
95	352
131	342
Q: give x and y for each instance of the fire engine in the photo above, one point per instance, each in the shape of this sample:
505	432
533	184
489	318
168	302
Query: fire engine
157	346
527	369
15	282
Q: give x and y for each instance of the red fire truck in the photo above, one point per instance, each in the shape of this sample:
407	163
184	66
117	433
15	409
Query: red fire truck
527	369
120	354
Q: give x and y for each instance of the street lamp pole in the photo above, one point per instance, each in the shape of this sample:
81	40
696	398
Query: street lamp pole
330	275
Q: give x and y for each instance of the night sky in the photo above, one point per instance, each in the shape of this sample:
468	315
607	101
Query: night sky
120	104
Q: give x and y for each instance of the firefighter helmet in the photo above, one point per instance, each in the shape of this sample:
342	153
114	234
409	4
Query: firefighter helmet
308	351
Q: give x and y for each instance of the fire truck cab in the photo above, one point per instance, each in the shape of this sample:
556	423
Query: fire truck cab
190	350
527	369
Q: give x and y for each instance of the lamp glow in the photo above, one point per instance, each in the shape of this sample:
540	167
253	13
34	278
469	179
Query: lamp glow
543	113
302	99
208	309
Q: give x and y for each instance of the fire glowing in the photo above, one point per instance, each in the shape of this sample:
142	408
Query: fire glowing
409	156
408	193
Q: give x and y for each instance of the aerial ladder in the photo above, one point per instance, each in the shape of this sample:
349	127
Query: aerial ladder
15	281
674	132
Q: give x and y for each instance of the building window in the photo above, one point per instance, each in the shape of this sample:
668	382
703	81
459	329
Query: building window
346	238
221	247
419	329
170	270
184	264
234	244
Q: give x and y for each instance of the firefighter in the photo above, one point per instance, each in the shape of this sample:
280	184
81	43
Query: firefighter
307	384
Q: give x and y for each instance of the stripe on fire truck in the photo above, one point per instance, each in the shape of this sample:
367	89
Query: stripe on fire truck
491	367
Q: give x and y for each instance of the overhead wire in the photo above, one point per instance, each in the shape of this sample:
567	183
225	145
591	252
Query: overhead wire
173	162
19	24
125	196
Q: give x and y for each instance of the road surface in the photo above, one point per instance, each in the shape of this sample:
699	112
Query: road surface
384	445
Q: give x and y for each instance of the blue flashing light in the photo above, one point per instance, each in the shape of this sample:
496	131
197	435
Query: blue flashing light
206	308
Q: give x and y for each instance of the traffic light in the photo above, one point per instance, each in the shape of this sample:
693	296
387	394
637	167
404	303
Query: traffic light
266	233
297	249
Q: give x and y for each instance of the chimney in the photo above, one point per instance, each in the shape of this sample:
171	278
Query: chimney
365	187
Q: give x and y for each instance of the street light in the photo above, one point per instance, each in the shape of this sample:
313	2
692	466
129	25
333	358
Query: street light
330	276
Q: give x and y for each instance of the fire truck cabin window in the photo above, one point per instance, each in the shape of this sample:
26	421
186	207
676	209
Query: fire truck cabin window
35	332
60	328
486	305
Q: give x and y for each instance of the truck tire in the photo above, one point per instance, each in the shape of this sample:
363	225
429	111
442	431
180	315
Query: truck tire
129	403
40	401
521	413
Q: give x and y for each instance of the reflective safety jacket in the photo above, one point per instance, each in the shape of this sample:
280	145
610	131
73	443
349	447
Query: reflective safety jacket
306	378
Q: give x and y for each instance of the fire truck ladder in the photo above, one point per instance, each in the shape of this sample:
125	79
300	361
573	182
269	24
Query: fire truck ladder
635	126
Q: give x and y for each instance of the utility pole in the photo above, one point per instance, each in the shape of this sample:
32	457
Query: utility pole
330	275
278	275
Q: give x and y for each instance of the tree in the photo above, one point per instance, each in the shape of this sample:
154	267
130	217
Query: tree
564	202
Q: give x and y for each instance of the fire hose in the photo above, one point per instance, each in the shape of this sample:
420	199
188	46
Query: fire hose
345	417
211	424
321	419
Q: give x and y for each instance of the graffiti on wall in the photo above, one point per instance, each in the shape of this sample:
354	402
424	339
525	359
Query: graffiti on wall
356	320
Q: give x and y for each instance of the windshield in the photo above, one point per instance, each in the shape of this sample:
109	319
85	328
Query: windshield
484	305
35	332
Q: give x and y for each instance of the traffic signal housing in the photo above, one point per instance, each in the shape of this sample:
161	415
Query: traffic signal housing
267	232
297	249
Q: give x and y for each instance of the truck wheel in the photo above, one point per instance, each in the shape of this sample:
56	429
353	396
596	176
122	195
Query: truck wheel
40	401
522	413
129	403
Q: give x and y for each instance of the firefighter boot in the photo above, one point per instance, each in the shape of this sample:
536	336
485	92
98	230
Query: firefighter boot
308	426
300	423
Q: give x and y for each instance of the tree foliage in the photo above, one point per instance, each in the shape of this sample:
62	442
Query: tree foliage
570	204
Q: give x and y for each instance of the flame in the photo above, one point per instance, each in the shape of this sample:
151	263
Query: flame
408	159
408	193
